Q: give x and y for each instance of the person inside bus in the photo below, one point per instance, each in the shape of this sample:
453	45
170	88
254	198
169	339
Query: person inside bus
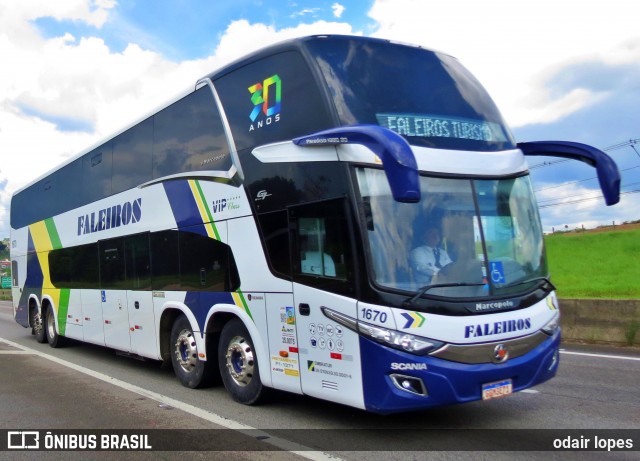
315	262
427	260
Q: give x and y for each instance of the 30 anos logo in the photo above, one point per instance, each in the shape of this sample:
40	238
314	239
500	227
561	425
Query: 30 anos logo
266	97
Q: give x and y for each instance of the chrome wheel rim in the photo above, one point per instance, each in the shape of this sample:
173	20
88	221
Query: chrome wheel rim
37	323
240	361
51	324
185	351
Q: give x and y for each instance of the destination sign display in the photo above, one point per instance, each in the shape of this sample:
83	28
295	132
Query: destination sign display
431	126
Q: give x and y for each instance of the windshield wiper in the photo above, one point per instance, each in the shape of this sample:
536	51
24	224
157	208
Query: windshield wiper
423	291
535	279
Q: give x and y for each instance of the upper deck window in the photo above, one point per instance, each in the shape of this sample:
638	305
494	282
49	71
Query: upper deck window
427	97
188	136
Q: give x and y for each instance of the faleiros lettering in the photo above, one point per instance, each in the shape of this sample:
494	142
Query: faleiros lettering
495	328
108	218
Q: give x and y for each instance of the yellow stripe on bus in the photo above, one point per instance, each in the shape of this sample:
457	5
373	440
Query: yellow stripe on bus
201	208
239	301
43	245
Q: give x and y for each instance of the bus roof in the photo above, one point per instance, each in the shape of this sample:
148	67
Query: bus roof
298	43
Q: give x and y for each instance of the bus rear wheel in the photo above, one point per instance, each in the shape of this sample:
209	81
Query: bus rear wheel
190	370
53	338
37	325
239	364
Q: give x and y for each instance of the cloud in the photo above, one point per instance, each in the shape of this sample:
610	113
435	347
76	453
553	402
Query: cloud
577	206
62	95
609	119
561	67
94	13
337	9
241	36
305	12
514	47
611	114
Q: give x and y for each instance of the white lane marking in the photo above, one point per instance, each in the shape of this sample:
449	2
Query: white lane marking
529	391
283	444
620	357
14	352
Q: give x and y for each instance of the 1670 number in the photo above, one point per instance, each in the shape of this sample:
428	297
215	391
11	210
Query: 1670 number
373	314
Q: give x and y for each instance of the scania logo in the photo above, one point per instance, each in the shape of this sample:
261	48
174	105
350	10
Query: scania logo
500	354
408	366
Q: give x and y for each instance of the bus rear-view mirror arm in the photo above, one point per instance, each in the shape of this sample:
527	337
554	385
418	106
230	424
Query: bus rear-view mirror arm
397	157
608	173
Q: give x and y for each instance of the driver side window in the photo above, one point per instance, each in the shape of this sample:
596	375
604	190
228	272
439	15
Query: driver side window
322	254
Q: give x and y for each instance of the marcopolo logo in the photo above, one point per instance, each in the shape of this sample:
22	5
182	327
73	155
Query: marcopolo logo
495	305
108	218
266	97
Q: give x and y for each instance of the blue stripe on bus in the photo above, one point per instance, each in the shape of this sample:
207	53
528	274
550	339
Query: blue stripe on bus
32	284
35	277
184	206
31	246
201	301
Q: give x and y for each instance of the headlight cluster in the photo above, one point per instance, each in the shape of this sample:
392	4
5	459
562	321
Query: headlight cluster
393	338
552	325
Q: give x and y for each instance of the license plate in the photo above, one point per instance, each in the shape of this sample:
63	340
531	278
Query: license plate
497	389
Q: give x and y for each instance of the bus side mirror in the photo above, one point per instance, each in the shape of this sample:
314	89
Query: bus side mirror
608	174
397	157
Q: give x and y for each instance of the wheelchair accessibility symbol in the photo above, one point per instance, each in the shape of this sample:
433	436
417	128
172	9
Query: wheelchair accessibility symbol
497	272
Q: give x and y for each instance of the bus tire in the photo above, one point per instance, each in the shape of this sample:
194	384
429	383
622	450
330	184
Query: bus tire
37	326
190	370
239	364
53	338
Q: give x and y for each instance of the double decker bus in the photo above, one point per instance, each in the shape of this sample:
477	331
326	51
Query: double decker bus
342	217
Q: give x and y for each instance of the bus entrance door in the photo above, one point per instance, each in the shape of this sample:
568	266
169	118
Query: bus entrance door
114	299
329	352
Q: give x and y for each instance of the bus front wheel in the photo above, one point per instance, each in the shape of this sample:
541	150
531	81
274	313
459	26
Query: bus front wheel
190	370
238	364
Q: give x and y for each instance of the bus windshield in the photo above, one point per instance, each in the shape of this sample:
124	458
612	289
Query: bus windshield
427	97
483	235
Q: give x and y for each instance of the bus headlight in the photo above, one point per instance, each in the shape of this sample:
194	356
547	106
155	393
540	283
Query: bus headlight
552	325
393	338
398	339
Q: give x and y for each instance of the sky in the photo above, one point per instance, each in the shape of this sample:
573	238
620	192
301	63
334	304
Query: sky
76	71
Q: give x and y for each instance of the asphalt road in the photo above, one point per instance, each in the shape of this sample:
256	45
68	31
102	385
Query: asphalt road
83	387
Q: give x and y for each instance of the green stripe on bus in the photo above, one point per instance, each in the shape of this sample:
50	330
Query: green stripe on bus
244	303
206	207
63	308
53	233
